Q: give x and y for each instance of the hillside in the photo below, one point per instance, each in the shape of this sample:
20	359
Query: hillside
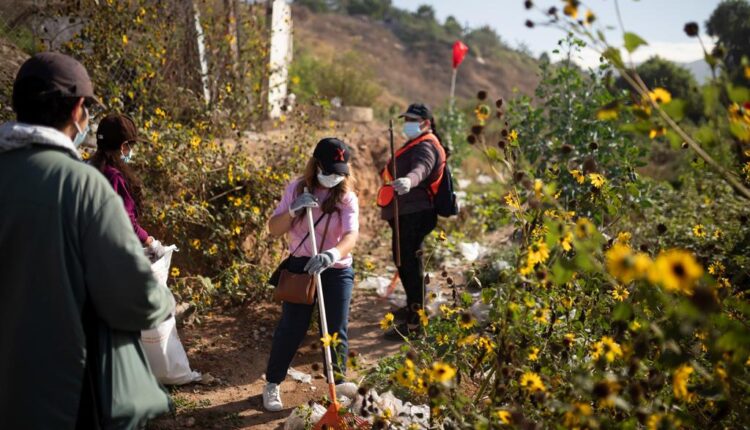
408	75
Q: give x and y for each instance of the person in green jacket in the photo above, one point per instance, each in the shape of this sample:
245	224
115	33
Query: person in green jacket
76	288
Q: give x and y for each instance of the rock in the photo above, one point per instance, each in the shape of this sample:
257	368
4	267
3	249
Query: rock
190	422
352	114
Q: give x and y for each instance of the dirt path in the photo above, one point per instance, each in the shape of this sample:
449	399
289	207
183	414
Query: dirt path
234	348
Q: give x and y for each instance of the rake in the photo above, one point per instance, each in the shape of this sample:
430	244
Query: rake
333	419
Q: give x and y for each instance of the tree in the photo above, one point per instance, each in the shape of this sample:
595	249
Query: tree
373	8
426	11
730	23
452	27
485	41
658	72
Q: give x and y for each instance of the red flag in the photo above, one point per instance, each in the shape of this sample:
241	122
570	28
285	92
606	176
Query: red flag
459	53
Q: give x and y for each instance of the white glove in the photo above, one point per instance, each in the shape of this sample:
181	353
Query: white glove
322	261
155	250
305	200
401	186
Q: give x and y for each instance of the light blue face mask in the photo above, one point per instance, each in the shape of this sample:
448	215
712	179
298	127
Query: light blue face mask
126	158
81	135
412	129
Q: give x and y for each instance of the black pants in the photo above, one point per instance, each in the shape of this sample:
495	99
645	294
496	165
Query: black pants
413	228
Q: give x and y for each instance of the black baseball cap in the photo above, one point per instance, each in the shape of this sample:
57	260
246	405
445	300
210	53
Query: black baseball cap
417	111
333	156
116	129
52	74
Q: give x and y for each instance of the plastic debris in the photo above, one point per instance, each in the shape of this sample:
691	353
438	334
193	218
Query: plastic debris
471	251
298	376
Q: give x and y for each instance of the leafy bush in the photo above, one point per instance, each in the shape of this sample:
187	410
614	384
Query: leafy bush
346	77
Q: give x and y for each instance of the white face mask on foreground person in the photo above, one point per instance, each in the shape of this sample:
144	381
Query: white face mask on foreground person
329	181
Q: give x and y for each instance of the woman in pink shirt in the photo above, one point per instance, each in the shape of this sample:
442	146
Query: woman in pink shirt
332	199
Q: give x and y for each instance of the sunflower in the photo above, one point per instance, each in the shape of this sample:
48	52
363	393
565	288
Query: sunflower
534	354
566	241
578	176
538	188
569	339
504	416
699	231
675	270
584	228
624	237
680	383
620	293
659	421
625	265
597	180
441	372
511	199
466	320
175	272
607	348
657	132
538	253
660	95
331	340
419	387
423	317
532	383
482	113
513	136
541	315
571	8
405	376
387	321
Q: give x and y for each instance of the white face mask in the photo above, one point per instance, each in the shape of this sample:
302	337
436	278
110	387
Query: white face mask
81	135
329	181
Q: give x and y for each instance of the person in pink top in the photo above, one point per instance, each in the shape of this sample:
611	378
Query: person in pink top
333	200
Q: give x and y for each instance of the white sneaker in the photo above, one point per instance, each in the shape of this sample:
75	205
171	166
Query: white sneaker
272	398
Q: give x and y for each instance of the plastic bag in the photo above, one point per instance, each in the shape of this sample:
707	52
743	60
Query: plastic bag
162	345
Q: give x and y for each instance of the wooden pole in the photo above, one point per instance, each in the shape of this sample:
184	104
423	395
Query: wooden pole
396	230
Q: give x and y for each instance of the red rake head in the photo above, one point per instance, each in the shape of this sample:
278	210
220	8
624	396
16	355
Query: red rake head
333	419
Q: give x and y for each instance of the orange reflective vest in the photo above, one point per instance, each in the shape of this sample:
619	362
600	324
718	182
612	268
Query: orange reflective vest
385	194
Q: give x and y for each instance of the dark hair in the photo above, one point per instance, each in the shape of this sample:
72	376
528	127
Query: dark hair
111	158
32	106
433	125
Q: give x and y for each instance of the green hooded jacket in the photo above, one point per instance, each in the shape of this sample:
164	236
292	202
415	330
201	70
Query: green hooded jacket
66	244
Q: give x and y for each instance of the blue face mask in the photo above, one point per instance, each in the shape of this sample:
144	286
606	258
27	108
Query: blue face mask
412	129
81	135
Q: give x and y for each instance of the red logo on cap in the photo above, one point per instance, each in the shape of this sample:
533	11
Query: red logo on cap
339	155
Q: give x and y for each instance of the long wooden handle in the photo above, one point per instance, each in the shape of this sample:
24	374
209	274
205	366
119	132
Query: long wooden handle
397	231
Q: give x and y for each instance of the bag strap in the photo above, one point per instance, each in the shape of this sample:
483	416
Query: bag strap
325	231
302	242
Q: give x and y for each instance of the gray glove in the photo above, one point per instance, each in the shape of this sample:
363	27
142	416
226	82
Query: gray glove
155	250
402	186
305	200
322	261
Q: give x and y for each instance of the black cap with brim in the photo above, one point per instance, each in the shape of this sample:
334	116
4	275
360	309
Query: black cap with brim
333	156
54	74
417	111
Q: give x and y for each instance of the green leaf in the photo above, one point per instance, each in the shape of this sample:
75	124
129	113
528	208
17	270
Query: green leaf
675	109
600	35
614	57
740	130
705	135
710	99
674	139
633	41
738	94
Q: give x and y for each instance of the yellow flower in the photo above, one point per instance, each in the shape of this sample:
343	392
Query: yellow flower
657	132
331	340
716	268
405	375
538	253
296	80
419	387
578	176
124	39
584	228
513	136
504	416
534	354
660	95
571	9
680	383
482	112
566	241
486	344
660	421
423	317
590	17
213	249
597	180
625	265
607	348
569	339
541	315
387	321
511	199
441	372
538	188
160	112
718	234
634	326
441	339
608	112
624	237
196	243
676	270
699	231
469	340
532	383
466	320
175	272
620	293
747	72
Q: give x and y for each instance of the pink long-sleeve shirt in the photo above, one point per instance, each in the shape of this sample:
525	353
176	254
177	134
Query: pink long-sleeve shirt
117	180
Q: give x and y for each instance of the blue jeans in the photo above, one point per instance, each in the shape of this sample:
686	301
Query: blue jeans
295	320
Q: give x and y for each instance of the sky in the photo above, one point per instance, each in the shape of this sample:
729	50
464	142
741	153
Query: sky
659	22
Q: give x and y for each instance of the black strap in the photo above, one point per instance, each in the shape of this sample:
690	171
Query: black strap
302	242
